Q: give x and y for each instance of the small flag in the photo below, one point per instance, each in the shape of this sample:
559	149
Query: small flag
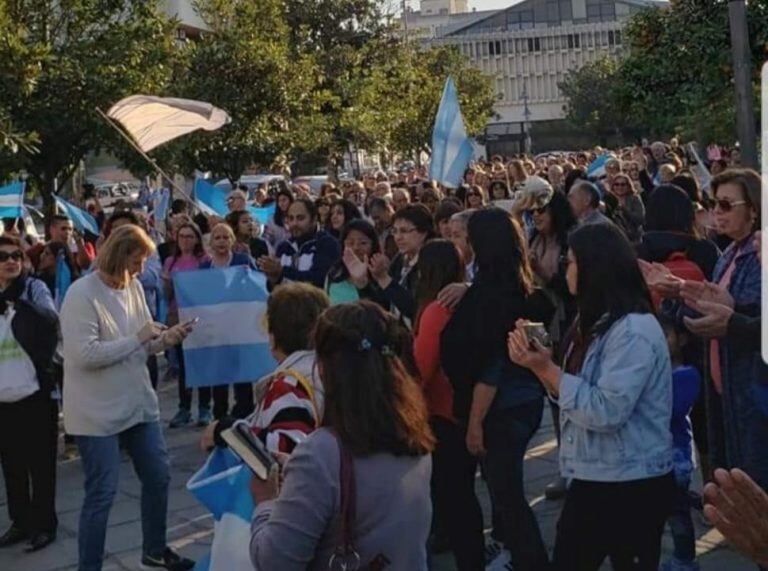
701	171
452	150
222	485
12	200
63	279
82	221
596	168
161	203
230	343
210	199
262	214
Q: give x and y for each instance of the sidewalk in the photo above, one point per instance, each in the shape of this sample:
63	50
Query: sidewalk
190	526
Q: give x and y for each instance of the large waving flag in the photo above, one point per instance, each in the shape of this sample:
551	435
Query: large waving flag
12	200
262	214
230	343
80	218
222	485
451	148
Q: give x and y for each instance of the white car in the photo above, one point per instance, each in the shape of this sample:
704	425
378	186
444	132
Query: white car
252	181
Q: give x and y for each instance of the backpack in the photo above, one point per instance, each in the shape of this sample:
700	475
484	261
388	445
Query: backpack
681	267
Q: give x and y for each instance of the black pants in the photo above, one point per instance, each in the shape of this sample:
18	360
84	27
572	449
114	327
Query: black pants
453	487
185	394
243	401
620	520
507	434
29	431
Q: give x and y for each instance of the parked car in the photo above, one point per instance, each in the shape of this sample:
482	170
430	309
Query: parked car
253	181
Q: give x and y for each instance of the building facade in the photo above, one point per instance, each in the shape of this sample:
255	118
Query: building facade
529	48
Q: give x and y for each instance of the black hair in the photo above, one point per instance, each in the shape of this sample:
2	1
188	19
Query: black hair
59	218
498	184
279	214
445	210
689	185
670	209
338	271
233	219
179	206
419	216
610	284
500	251
351	212
308	204
120	215
378	203
439	265
572	176
563	218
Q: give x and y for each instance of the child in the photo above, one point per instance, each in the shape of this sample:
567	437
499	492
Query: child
686	381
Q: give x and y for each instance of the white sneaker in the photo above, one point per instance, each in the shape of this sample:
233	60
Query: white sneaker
500	562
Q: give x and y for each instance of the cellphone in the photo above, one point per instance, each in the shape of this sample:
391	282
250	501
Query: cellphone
537	331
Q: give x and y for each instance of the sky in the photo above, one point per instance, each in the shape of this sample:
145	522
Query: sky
491	4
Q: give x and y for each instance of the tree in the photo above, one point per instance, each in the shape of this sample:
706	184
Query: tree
396	101
592	97
62	59
245	66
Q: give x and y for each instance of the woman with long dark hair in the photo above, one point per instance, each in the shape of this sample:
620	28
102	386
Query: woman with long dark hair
453	471
349	279
342	211
243	227
276	233
360	483
615	414
188	255
498	404
46	268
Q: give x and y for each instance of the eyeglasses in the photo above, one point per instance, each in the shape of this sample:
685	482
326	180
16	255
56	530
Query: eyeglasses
16	256
727	205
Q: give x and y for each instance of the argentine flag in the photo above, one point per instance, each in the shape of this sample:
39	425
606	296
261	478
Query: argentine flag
81	220
12	200
230	343
209	199
596	168
222	485
452	150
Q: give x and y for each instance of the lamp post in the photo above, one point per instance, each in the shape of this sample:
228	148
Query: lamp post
742	78
526	120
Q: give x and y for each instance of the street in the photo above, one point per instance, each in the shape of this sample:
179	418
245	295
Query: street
190	526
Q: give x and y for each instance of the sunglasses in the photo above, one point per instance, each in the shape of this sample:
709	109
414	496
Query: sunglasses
727	205
16	256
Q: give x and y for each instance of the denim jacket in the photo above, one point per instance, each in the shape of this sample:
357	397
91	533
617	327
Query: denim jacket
615	415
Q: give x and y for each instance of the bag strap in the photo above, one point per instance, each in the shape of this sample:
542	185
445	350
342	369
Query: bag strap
345	556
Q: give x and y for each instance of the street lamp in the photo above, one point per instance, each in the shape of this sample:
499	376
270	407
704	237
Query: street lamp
526	119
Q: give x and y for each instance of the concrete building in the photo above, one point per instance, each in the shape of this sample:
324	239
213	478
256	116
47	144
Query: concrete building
437	18
529	48
190	24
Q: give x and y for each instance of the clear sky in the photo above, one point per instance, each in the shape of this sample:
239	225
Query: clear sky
491	4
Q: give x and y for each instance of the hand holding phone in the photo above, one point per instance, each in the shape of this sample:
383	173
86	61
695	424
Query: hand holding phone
537	332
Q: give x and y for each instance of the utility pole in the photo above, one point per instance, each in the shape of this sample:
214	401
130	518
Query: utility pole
742	78
526	119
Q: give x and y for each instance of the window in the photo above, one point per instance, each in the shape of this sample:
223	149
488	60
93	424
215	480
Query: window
600	11
536	44
494	48
611	38
577	40
571	43
617	37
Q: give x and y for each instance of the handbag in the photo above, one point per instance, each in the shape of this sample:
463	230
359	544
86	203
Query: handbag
17	371
346	556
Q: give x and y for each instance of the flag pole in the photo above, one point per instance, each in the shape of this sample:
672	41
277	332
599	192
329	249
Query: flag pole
146	157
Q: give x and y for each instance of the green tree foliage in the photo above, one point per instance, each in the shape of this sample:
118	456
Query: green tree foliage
61	59
677	76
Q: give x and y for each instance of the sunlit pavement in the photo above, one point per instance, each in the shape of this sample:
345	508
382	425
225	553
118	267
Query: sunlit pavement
190	526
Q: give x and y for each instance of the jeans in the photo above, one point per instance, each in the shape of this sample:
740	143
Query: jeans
507	434
620	520
453	486
29	462
185	394
101	464
681	524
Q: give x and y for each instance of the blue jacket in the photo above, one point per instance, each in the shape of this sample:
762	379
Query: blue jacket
615	415
686	382
309	260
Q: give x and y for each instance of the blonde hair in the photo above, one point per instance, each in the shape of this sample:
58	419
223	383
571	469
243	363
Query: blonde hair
226	228
124	242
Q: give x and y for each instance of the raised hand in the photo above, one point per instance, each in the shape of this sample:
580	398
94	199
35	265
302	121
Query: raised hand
357	268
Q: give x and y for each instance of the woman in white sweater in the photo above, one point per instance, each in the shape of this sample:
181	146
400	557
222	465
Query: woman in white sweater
108	333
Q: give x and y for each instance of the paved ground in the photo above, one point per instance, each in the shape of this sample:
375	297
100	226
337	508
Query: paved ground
190	526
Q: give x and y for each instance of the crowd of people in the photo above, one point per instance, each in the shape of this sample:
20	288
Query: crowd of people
421	333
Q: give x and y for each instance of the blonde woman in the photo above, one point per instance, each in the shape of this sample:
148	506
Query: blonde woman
108	333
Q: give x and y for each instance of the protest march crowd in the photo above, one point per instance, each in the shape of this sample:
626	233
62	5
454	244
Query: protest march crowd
404	320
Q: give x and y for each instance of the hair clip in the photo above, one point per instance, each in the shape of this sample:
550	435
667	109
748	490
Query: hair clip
365	345
387	351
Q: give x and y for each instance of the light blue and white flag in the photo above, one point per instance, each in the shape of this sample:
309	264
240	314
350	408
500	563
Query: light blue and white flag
702	172
161	203
222	485
262	214
12	200
80	218
63	279
210	199
230	343
452	150
596	168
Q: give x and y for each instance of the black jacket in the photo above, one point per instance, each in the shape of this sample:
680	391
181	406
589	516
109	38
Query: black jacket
658	246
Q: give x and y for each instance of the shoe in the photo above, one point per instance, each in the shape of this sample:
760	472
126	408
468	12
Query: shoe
168	560
13	536
555	490
675	564
39	541
204	417
182	418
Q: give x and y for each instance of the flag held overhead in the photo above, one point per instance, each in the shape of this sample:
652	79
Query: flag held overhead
152	121
12	200
451	148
